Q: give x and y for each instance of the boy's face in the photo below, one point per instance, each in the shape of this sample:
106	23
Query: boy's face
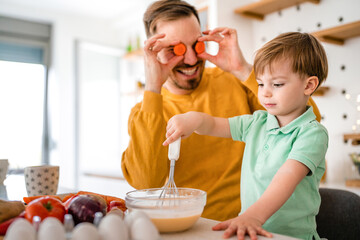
186	75
282	92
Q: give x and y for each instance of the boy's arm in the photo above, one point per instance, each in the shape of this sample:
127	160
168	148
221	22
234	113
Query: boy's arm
183	125
280	189
278	192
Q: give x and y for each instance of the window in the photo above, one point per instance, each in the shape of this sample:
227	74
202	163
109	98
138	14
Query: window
24	62
21	108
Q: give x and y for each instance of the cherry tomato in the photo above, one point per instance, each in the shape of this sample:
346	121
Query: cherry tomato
117	204
45	207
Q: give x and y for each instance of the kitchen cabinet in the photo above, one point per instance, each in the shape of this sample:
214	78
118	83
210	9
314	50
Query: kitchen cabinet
259	9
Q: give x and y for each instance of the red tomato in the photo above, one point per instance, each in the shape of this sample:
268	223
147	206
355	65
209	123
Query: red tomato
45	207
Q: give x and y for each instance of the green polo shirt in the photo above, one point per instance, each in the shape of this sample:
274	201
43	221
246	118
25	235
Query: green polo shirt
267	148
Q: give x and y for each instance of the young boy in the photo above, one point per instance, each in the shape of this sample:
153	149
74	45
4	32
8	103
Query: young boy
284	157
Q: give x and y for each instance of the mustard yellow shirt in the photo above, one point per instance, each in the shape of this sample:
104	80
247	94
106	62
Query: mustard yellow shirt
208	163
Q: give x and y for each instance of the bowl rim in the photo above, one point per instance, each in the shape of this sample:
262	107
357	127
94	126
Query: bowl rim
195	201
129	200
158	189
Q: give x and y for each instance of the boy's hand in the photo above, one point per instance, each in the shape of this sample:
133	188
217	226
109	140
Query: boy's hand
241	226
182	125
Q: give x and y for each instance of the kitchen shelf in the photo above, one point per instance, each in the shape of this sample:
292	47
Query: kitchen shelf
353	183
338	35
321	91
104	175
259	9
139	53
354	137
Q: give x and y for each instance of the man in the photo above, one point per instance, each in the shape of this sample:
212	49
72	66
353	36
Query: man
178	84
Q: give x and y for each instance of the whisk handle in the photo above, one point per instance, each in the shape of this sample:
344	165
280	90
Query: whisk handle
174	149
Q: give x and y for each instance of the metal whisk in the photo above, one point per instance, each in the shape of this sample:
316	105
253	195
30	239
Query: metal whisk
169	191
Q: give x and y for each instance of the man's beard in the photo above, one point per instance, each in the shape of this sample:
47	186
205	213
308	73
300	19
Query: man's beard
191	84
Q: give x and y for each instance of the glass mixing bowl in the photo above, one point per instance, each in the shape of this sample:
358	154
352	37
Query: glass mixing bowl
168	214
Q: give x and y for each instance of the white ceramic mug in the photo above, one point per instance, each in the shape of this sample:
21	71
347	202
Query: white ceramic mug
41	180
4	165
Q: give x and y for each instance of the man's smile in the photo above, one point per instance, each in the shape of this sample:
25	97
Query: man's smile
188	71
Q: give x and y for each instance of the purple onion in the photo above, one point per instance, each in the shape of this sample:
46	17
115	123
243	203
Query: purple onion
84	207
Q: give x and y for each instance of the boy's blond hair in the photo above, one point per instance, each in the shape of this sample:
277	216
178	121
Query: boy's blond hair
304	50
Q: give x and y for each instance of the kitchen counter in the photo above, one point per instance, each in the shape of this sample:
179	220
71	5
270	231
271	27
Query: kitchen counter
14	189
202	230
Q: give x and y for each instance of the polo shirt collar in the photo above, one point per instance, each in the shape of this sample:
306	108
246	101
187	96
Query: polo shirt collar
273	124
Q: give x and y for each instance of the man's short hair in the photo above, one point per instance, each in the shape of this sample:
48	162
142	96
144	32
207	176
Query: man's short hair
304	50
166	10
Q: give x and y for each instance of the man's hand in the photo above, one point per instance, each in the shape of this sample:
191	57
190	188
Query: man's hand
229	57
241	226
157	69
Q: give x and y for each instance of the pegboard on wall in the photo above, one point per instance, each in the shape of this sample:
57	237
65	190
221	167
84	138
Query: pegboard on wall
338	113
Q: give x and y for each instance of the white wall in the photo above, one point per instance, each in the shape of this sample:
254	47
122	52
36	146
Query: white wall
66	29
227	18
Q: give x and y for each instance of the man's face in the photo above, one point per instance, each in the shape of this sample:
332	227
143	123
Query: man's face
186	75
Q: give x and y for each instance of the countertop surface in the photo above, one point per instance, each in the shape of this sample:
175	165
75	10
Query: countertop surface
15	190
202	230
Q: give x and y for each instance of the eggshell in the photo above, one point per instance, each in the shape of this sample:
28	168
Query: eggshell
143	229
117	211
112	227
51	228
85	231
20	229
134	214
